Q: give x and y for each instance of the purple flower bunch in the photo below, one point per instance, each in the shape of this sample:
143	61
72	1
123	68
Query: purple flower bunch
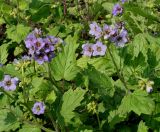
38	108
97	49
9	83
116	34
41	48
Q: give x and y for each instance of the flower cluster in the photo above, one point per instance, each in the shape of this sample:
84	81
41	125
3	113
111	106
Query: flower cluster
38	108
9	83
94	49
41	48
117	33
24	61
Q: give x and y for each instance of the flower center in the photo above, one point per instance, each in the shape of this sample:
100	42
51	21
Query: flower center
38	44
89	49
38	108
99	49
119	38
8	83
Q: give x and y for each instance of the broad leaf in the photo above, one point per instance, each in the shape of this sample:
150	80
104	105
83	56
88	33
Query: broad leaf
138	101
100	81
8	121
64	66
71	99
17	33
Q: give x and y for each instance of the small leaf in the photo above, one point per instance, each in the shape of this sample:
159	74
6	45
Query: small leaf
51	97
3	53
142	127
30	128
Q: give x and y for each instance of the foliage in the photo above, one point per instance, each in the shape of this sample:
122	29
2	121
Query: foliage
79	88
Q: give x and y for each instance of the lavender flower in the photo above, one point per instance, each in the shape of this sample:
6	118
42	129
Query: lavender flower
99	49
37	32
121	39
39	44
8	83
106	31
117	10
123	1
41	58
38	108
87	49
95	30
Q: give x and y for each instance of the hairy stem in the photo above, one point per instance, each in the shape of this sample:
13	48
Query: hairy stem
120	75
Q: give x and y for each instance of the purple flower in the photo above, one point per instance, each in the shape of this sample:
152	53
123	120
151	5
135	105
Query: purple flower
123	1
50	56
87	49
38	108
120	25
121	39
117	10
113	34
99	49
37	32
95	30
30	40
41	58
106	31
39	44
48	45
8	83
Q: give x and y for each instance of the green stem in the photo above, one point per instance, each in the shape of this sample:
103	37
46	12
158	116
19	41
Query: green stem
99	123
119	74
53	122
2	90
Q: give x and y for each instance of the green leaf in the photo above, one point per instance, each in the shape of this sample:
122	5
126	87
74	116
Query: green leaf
30	128
142	127
101	82
41	87
100	63
138	101
71	99
51	97
108	6
144	12
139	45
64	65
8	121
3	53
115	117
17	33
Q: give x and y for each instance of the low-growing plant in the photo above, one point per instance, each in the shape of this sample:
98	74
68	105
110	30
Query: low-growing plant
79	66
